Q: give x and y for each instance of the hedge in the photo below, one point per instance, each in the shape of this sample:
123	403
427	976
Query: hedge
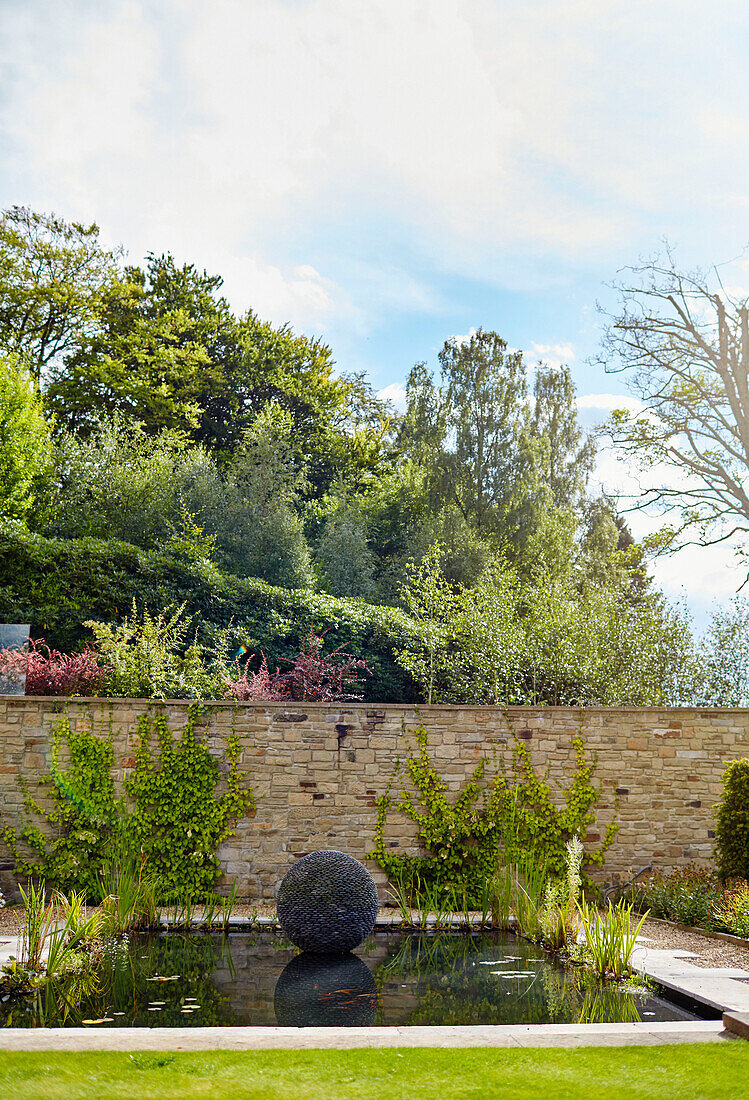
57	584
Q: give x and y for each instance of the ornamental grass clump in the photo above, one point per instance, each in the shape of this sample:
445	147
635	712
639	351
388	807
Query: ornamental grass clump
559	915
610	937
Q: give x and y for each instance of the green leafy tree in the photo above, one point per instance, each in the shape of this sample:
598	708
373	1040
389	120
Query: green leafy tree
24	438
513	469
724	653
567	454
54	276
157	355
267	478
170	353
342	551
485	415
430	601
732	830
121	482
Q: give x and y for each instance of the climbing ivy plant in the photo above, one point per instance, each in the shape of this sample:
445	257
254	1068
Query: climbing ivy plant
510	817
170	817
177	821
81	813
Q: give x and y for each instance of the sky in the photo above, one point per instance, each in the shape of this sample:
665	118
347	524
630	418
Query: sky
386	175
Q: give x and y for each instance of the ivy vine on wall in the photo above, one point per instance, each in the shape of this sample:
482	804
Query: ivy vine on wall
170	817
510	817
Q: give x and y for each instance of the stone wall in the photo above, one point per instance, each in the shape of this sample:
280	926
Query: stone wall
318	769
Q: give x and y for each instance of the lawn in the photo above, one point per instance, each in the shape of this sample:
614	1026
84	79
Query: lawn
694	1071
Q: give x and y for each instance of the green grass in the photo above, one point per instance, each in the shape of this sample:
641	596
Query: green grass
692	1072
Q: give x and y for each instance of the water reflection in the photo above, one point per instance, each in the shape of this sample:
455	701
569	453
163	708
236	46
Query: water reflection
393	979
325	991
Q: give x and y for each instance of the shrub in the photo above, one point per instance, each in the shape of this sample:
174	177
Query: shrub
49	672
732	832
260	686
323	677
57	584
148	657
314	676
687	895
732	911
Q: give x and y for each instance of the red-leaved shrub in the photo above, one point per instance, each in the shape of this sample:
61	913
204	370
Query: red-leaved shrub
323	677
260	686
314	677
49	672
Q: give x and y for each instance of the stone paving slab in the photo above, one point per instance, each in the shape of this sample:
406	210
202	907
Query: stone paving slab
346	1038
737	1023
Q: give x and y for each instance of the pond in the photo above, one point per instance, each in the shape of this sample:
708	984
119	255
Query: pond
172	980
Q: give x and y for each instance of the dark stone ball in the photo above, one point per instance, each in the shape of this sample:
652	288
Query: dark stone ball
325	991
327	902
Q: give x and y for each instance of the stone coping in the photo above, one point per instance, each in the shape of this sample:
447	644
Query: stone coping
357	705
347	1038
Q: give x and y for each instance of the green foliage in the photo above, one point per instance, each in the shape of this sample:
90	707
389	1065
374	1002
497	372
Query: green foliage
724	654
61	583
53	277
24	438
163	836
81	812
429	600
505	818
149	657
610	937
686	895
176	820
732	829
506	640
695	896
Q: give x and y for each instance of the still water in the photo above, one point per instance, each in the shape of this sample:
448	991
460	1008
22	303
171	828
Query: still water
172	980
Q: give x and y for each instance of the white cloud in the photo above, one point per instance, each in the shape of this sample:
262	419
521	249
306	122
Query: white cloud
552	355
395	393
247	127
465	337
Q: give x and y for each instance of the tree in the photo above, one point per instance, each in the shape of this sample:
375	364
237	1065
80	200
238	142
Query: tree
170	353
684	345
342	552
484	410
513	471
157	356
567	455
263	535
53	278
24	438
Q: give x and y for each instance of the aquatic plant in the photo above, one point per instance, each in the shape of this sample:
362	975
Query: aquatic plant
610	937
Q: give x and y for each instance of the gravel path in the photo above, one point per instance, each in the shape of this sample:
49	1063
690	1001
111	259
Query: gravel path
708	952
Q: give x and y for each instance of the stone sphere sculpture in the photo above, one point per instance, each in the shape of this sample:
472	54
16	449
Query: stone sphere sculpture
325	991
327	902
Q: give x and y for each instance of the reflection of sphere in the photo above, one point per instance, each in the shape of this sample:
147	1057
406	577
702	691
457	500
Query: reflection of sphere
327	902
317	990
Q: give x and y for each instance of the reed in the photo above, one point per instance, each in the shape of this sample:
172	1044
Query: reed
227	906
129	895
528	887
610	937
40	920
